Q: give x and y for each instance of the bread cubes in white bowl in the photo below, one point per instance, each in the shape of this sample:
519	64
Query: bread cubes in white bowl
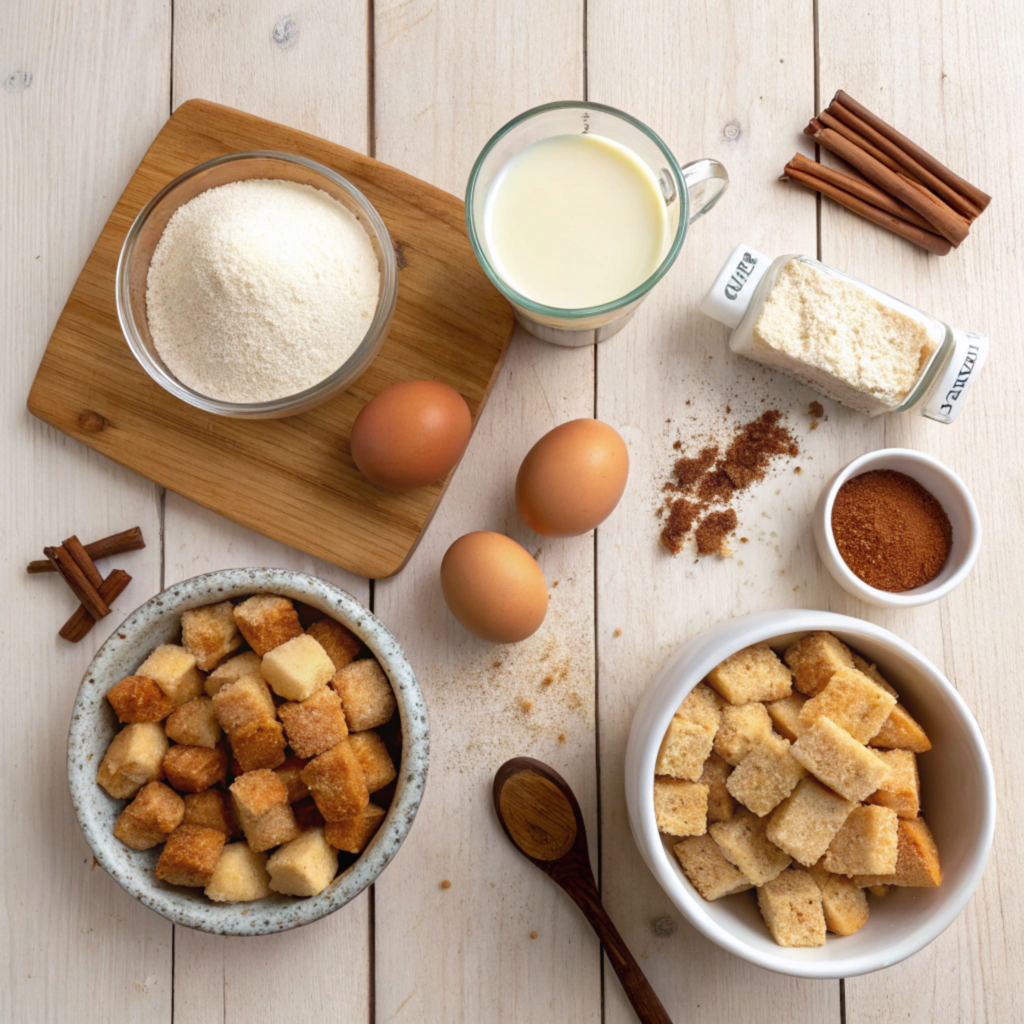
956	784
94	724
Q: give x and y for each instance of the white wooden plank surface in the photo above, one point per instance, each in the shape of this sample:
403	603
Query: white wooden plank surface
75	946
447	76
943	73
730	81
307	68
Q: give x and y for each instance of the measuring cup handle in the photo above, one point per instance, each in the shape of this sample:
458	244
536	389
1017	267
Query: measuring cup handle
706	181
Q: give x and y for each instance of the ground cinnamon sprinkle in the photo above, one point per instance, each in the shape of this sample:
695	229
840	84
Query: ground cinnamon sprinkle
891	532
700	483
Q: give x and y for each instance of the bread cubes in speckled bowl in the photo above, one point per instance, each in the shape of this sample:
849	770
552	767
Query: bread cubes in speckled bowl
139	857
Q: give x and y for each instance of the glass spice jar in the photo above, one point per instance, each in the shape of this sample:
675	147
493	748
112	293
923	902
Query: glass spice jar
844	338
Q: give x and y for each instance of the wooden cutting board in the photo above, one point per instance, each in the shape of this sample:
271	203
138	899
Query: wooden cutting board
292	479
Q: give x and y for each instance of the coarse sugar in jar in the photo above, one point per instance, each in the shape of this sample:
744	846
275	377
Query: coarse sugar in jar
843	337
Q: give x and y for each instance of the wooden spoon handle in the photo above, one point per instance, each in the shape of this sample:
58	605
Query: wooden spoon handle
644	999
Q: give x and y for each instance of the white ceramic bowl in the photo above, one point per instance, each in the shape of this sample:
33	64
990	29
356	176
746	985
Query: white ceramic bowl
951	493
93	726
957	789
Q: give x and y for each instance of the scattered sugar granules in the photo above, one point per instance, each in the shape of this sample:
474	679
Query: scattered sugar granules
260	289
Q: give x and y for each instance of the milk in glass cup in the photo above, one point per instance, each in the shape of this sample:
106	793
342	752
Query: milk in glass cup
576	210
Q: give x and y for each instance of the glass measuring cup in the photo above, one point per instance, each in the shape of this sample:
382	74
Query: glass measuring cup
688	191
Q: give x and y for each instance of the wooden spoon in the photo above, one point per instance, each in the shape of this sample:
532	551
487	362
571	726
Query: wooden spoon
541	816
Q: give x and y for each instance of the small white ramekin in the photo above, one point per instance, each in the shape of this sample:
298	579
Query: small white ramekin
958	797
951	493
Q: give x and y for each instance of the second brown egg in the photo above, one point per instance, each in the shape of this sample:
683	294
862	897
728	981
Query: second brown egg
572	478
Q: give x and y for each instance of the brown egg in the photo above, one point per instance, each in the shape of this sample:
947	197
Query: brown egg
572	478
411	434
494	587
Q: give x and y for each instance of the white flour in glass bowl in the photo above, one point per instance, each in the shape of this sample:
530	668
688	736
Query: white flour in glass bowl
260	289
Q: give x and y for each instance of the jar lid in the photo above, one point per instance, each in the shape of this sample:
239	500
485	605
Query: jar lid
729	297
946	398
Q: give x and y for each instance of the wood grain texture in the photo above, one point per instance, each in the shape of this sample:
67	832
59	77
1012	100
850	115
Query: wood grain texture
732	81
317	83
75	945
447	76
450	324
940	72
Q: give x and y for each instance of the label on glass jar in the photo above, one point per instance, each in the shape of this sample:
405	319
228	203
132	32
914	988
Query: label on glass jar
946	398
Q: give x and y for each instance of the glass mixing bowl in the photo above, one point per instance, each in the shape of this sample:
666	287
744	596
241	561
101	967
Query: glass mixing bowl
145	232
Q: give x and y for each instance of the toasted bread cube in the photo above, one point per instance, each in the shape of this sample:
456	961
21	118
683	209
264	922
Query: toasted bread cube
337	782
754	673
193	769
138	699
374	758
680	807
240	875
315	724
819	872
879	890
190	856
151	817
194	724
743	727
707	869
835	758
871	671
290	773
902	789
267	621
744	843
866	844
305	866
365	693
702	706
901	732
341	644
684	749
917	859
260	800
174	670
791	906
766	776
246	701
210	633
353	834
807	821
298	668
258	745
245	664
815	659
853	702
714	776
845	906
134	757
211	808
785	715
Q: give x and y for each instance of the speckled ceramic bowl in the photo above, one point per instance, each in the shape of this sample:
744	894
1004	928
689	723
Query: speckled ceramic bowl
93	726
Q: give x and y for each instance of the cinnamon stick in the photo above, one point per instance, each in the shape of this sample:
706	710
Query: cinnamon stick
75	578
908	165
76	549
862	189
946	221
926	239
115	544
940	170
859	141
78	626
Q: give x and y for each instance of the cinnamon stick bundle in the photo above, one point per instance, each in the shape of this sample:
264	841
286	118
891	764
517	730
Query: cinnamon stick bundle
873	209
78	626
115	544
897	185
